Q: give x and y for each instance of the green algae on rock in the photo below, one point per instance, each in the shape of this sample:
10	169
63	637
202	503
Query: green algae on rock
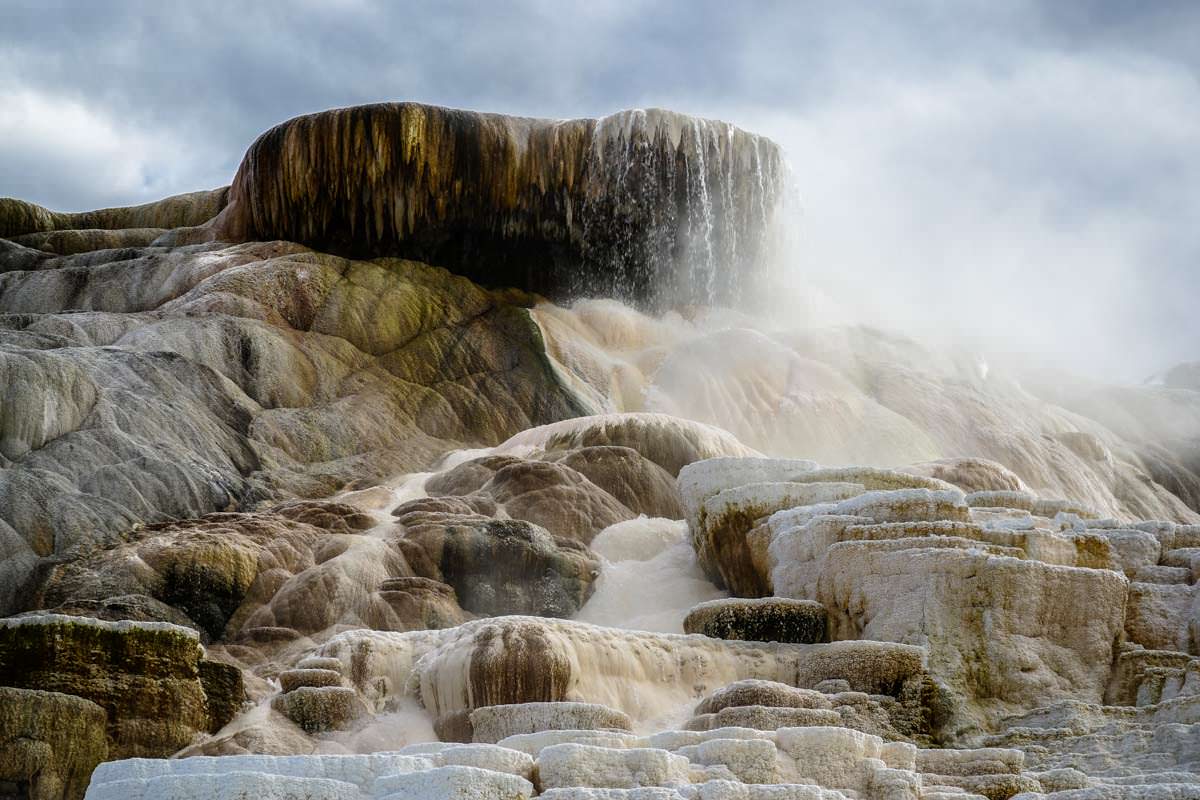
147	676
49	743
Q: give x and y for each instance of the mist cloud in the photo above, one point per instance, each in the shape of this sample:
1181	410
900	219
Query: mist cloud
995	170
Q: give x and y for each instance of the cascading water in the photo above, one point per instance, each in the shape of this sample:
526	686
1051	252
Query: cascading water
653	207
701	227
680	211
650	577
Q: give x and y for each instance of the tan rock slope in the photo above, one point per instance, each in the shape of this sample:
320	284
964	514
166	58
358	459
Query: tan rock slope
157	384
19	218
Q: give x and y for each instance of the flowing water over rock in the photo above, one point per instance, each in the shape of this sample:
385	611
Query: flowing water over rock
288	494
647	205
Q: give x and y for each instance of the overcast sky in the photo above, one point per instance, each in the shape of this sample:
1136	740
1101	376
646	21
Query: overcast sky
1024	172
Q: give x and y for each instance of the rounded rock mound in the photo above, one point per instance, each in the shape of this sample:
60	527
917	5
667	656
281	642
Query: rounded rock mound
764	619
637	204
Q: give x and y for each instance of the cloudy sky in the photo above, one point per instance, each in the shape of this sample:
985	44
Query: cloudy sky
1023	173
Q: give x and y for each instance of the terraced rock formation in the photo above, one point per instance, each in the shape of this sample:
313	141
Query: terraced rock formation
957	666
140	386
30	224
287	493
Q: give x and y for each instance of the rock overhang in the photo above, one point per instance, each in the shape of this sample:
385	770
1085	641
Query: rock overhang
646	205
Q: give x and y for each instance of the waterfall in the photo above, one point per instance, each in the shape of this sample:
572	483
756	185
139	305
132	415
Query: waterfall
680	211
651	207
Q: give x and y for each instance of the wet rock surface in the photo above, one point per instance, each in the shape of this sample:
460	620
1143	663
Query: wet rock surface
769	619
544	205
292	566
500	566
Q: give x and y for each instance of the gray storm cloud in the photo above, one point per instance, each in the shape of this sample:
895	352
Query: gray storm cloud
1019	174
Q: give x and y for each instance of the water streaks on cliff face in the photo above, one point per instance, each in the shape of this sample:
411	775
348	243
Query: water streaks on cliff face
648	205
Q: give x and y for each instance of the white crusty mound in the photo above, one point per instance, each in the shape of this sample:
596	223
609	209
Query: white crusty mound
830	763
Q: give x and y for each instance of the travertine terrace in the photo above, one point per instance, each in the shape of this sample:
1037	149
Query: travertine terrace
420	462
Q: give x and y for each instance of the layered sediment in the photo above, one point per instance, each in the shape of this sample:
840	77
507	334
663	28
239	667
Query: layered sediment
155	690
